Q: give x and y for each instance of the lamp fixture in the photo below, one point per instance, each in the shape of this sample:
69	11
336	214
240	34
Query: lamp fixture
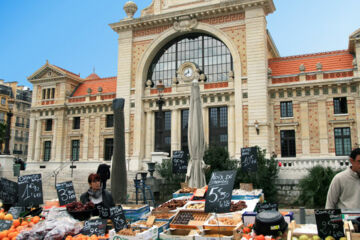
256	124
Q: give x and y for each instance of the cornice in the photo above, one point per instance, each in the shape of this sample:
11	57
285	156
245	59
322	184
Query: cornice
199	13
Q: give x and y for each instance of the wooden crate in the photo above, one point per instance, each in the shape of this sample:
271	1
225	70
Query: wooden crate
350	231
198	216
292	226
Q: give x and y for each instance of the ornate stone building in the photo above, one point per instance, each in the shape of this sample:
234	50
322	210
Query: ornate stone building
299	108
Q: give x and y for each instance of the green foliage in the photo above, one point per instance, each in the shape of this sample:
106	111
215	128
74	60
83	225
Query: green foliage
2	134
314	187
265	176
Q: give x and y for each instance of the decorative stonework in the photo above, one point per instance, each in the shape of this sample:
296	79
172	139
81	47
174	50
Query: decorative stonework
150	31
149	83
224	19
302	68
319	66
185	24
138	50
314	133
130	9
245	125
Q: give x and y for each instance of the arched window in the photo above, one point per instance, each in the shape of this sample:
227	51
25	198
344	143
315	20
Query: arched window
210	54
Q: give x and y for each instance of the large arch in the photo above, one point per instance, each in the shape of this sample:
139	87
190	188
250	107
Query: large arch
141	75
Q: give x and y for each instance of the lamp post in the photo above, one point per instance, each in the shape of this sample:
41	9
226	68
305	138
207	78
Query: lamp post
160	102
8	127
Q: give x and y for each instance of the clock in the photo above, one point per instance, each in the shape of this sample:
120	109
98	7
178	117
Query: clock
188	72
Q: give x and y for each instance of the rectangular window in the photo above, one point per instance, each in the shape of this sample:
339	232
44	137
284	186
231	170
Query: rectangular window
53	93
76	123
44	94
286	109
184	130
342	141
47	150
288	147
108	149
75	149
110	120
340	105
218	126
163	132
3	101
48	125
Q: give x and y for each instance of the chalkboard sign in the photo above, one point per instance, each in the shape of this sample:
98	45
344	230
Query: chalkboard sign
118	218
218	196
104	212
96	226
30	190
266	207
179	162
5	224
66	192
16	211
329	223
8	191
248	159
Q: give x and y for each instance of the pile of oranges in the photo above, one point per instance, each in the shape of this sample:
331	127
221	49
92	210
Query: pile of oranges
18	226
84	237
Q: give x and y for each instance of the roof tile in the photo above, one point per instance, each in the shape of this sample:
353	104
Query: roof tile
108	85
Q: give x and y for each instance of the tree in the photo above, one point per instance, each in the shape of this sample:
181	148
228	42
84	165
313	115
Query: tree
2	134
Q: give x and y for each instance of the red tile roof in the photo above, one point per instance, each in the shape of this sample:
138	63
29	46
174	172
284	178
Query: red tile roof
93	76
108	85
335	60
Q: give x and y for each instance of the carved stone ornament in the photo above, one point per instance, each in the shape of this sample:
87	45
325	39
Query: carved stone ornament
100	89
319	66
89	90
302	68
130	9
149	83
354	63
231	76
175	80
188	71
185	24
202	77
269	72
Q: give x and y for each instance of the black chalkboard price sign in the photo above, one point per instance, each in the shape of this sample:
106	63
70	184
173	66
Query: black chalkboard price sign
5	224
118	218
266	207
96	226
218	195
104	212
329	223
249	159
16	211
179	162
66	192
8	191
30	190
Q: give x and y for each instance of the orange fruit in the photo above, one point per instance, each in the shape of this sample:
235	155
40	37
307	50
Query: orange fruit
19	228
2	216
12	234
16	223
3	234
5	238
35	219
8	217
24	223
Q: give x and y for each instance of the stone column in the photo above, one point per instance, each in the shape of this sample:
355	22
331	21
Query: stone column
304	123
206	124
61	136
231	130
97	138
85	143
32	138
175	127
256	48
53	142
323	127
149	138
37	141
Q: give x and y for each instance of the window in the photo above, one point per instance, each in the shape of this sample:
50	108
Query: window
48	125
218	123
108	149
75	149
288	147
110	120
342	141
76	123
3	101
163	132
2	117
286	109
340	105
48	93
209	53
47	150
184	130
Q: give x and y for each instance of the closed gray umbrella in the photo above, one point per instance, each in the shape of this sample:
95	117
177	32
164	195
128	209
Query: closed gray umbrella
195	176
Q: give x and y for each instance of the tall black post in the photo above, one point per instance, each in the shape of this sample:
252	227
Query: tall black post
118	170
7	134
160	129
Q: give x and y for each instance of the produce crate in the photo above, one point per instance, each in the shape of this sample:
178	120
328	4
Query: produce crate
295	230
135	212
160	216
200	204
350	233
178	234
215	235
187	219
224	226
142	224
149	234
178	194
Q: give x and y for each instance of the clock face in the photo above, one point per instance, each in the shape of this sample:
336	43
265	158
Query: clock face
188	72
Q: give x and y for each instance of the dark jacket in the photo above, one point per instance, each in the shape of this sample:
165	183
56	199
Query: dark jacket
108	201
104	172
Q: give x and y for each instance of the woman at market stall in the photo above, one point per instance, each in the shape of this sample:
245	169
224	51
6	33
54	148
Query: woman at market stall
96	194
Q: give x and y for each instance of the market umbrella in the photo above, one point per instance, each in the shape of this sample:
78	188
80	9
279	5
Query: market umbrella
195	176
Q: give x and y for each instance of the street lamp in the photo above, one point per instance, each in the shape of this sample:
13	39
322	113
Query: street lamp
8	127
160	102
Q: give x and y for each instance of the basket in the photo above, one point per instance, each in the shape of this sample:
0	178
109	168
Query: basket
81	215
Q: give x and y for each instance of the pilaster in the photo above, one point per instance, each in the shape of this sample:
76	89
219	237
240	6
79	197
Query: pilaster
32	139
323	128
97	138
54	140
231	130
149	138
37	141
61	135
86	138
304	116
175	130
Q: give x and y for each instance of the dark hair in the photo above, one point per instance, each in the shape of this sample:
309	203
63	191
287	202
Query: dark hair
93	177
354	153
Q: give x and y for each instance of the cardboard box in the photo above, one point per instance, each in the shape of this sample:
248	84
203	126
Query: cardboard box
211	235
178	234
150	234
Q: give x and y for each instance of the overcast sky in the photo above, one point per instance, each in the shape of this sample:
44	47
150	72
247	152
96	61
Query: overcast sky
74	34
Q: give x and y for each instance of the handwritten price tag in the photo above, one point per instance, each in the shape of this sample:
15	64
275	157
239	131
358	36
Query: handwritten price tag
329	223
249	159
66	192
30	190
